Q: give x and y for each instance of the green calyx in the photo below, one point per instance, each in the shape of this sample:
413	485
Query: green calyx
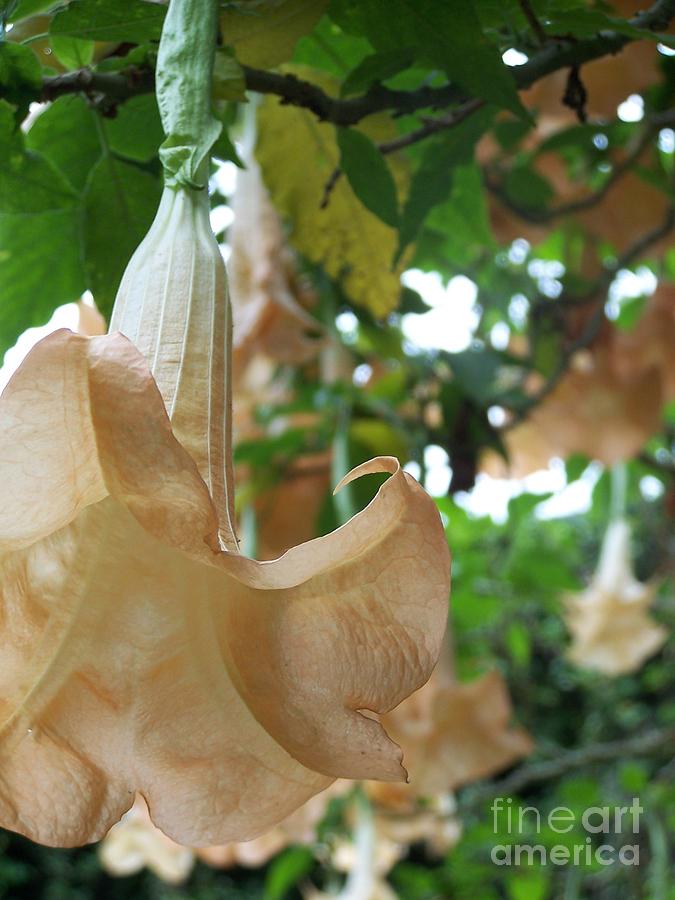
183	84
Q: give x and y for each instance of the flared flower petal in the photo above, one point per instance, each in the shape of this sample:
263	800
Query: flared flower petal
140	657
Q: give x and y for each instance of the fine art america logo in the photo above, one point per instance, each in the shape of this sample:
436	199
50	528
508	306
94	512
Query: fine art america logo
595	821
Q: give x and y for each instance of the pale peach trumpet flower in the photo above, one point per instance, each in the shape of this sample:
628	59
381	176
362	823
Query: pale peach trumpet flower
606	406
612	630
140	652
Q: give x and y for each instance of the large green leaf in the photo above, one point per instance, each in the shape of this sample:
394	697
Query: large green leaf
20	75
136	131
376	67
331	49
40	264
447	35
119	204
26	8
134	21
265	34
74	53
40	268
28	181
66	134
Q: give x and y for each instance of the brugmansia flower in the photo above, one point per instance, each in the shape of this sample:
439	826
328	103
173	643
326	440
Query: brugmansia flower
606	406
140	651
612	631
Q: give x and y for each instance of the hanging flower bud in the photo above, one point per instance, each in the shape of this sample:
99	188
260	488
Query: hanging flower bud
173	304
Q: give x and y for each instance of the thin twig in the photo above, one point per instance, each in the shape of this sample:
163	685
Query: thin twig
540	216
663	467
653	742
433	126
533	21
632	253
329	186
595	294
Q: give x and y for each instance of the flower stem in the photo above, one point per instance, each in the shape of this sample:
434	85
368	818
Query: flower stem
619	487
183	84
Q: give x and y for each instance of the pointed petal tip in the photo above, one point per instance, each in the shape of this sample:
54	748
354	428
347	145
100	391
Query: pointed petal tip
371	467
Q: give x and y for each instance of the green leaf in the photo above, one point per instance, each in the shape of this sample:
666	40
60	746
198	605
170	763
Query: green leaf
528	188
20	76
40	265
74	53
630	313
449	36
228	77
528	885
575	466
329	48
136	131
633	776
464	218
412	302
477	372
519	643
133	21
433	179
40	268
224	149
286	870
368	174
265	35
26	8
65	133
375	68
377	437
28	182
119	204
586	23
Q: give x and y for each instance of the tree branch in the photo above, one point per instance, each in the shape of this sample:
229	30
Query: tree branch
533	21
595	294
558	54
541	216
431	126
113	87
653	742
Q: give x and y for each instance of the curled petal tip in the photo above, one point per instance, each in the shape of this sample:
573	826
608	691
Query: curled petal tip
371	467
